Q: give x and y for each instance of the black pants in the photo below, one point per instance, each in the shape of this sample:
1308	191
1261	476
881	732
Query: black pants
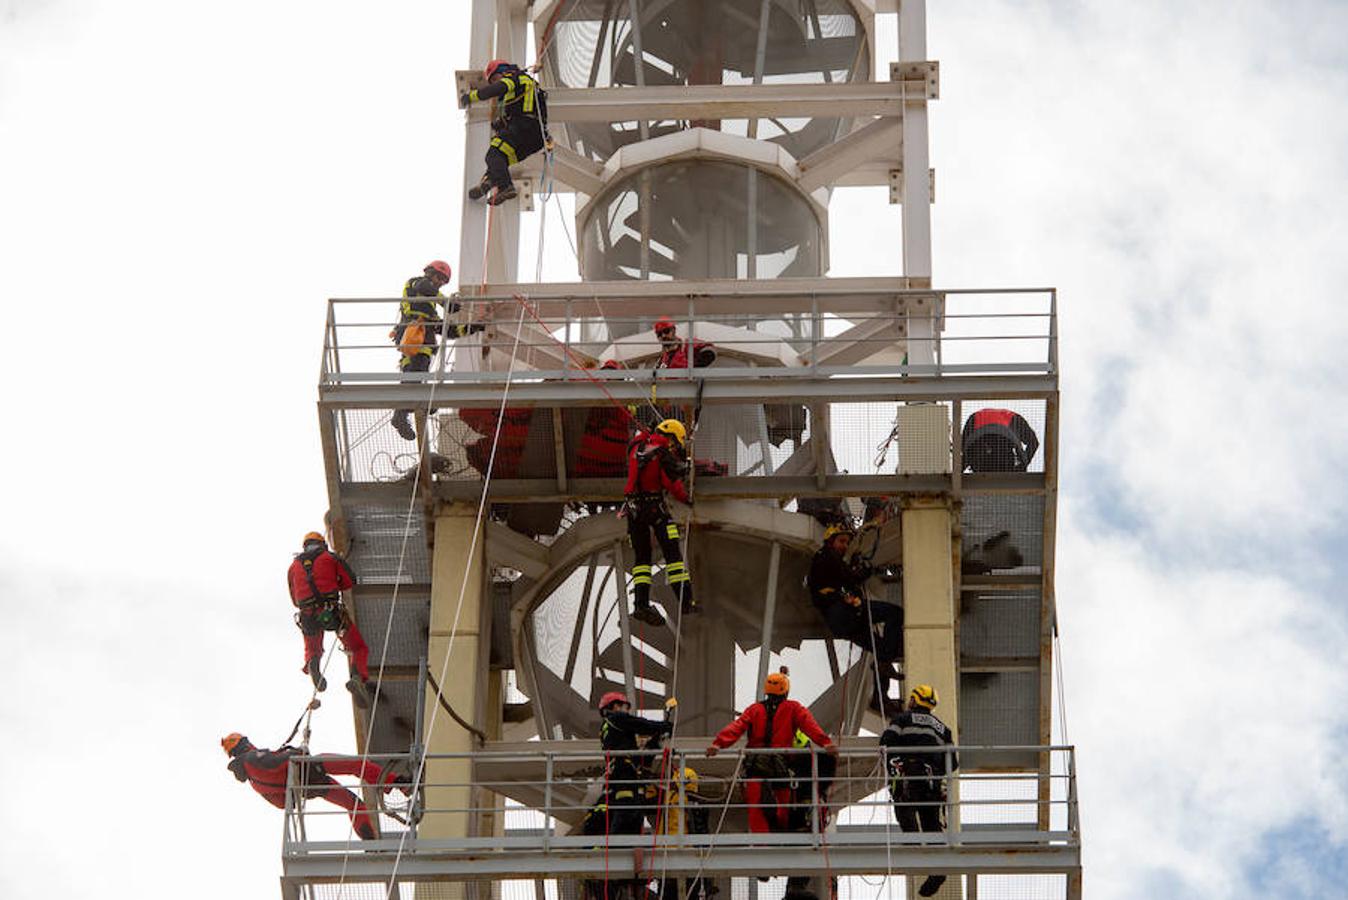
850	624
644	517
918	801
417	362
521	138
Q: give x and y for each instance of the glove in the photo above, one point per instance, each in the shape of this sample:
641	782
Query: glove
831	749
852	600
464	99
712	751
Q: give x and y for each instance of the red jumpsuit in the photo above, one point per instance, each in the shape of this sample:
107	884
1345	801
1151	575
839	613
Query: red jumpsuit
653	470
265	771
316	578
788	717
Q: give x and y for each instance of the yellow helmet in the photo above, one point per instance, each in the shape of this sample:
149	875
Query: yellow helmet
689	778
312	536
674	428
838	528
777	685
924	695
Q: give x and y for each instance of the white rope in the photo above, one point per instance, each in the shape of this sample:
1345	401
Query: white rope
463	589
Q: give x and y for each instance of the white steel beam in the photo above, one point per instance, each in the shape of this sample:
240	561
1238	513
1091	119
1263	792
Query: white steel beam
881	139
728	101
578	172
473	219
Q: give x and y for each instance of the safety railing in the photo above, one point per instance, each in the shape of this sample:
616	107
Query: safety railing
610	343
570	811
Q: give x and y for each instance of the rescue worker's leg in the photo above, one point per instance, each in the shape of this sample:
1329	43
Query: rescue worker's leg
888	621
481	189
402	418
517	141
676	571
320	785
639	533
358	653
313	647
753	796
368	772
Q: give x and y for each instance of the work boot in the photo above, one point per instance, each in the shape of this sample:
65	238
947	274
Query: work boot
479	190
503	194
361	692
645	612
402	423
931	886
315	668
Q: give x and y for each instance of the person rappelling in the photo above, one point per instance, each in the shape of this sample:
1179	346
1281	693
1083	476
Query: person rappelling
657	464
420	321
316	578
266	772
519	126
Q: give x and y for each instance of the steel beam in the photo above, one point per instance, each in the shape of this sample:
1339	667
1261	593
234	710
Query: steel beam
729	101
881	139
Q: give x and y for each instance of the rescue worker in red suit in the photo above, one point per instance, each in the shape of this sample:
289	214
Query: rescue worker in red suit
674	352
998	440
316	579
772	722
266	770
655	466
420	322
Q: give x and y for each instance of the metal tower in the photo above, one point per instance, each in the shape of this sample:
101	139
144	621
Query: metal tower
702	140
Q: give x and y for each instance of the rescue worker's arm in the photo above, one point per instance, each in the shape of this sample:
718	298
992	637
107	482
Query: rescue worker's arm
346	577
731	733
1022	430
703	354
954	757
806	724
490	92
671	477
423	287
634	724
236	766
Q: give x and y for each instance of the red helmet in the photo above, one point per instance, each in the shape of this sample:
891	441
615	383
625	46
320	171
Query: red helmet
493	67
664	323
439	265
611	698
610	364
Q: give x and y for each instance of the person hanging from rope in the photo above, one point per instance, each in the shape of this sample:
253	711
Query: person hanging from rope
675	353
519	126
838	589
918	780
656	465
771	722
620	809
419	324
316	578
998	440
266	771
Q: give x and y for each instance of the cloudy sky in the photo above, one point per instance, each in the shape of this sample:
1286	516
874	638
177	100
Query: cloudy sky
181	186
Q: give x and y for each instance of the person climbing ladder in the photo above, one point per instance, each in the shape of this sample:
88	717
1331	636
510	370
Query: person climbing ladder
656	464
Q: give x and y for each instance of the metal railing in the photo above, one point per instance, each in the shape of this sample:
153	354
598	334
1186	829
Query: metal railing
970	332
518	812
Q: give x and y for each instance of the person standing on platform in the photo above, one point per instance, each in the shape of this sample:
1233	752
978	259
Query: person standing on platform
998	440
419	324
519	128
917	784
266	772
675	352
656	465
620	810
771	722
316	579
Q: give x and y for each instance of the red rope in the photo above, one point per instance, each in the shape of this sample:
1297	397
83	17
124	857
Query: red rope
571	355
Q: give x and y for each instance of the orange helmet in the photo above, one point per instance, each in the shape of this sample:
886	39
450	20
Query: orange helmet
233	740
777	685
312	536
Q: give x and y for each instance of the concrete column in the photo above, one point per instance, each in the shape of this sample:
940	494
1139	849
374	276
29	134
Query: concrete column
930	619
457	569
